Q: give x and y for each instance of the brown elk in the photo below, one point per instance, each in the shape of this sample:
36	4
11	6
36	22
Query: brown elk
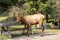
29	20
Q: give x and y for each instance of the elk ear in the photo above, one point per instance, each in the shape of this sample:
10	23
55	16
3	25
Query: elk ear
21	16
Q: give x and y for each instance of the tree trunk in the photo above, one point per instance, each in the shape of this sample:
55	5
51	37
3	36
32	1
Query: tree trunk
59	25
46	18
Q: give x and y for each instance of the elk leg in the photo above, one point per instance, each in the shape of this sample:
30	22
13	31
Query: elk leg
25	28
42	28
31	30
42	33
28	30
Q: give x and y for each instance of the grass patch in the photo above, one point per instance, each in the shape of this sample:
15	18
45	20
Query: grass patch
2	18
52	30
3	37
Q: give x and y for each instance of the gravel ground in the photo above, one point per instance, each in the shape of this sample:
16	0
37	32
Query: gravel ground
47	36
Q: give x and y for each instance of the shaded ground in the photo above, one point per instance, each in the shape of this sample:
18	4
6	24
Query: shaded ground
47	36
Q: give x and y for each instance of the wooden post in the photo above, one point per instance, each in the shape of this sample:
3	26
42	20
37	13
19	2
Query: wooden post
2	30
9	33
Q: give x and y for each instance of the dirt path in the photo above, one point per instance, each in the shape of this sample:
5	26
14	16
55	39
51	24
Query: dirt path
47	36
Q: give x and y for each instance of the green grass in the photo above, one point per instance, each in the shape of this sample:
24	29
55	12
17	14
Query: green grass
2	18
52	30
5	37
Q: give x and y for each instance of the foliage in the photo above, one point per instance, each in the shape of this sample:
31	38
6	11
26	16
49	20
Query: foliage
38	5
33	6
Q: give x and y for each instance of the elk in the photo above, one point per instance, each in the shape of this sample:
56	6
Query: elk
29	20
